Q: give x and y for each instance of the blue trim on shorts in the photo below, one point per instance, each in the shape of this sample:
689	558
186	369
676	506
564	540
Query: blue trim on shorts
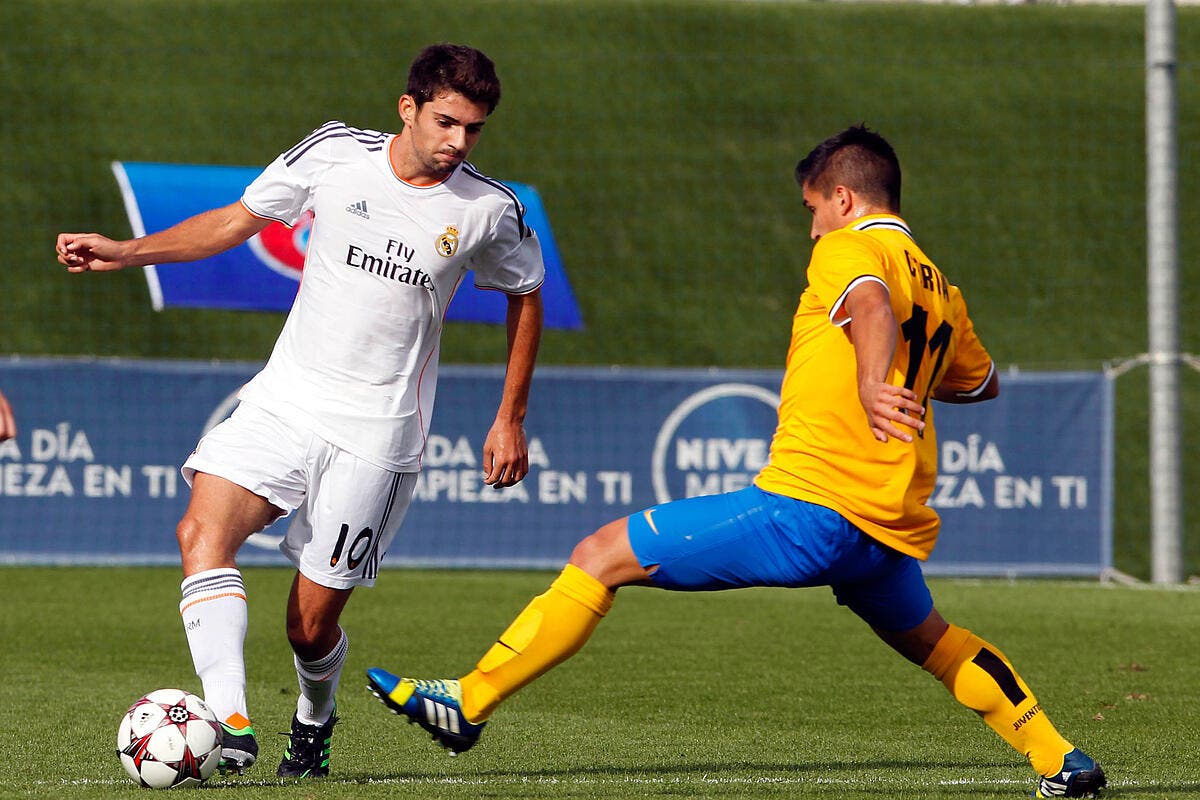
757	538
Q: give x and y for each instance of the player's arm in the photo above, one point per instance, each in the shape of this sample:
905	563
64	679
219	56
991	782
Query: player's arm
971	377
195	238
990	390
873	331
505	451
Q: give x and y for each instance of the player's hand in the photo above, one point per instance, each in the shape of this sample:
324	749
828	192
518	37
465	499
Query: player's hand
90	252
505	455
888	407
8	423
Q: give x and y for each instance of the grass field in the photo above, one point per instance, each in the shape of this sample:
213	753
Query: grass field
756	693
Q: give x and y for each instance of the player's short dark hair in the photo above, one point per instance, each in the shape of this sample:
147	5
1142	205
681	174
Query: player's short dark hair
857	158
457	68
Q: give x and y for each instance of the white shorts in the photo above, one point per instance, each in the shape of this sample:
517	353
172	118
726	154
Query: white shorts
347	510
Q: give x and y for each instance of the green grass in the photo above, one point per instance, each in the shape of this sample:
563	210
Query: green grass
756	693
662	136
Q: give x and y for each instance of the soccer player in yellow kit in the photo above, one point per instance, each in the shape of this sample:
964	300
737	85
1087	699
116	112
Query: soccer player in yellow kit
879	331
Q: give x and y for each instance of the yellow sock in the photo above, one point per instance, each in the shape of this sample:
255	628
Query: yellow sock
550	630
983	680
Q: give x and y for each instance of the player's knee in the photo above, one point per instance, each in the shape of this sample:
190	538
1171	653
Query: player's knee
607	556
593	552
203	546
300	636
918	644
189	533
311	638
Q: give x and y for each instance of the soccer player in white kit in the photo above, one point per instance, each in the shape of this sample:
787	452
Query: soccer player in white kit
334	425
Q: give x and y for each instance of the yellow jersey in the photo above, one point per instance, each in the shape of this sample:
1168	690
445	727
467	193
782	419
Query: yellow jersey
823	450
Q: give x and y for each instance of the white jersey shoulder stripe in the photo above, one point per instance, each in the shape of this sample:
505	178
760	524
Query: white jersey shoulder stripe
470	170
835	311
372	140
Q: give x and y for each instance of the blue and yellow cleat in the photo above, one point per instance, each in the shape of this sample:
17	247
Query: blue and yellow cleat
434	705
1080	776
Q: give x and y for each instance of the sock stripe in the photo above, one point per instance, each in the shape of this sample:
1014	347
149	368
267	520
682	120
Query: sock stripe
210	574
321	668
193	591
207	582
213	584
993	665
185	606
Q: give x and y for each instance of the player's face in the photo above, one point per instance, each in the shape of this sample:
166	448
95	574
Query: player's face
441	133
828	213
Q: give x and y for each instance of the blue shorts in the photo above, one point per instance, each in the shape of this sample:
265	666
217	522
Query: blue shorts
757	538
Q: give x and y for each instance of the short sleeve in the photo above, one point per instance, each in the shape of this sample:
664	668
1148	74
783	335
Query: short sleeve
512	261
283	191
840	261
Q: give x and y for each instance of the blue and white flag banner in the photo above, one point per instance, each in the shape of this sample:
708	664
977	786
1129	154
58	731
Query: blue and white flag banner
264	273
93	476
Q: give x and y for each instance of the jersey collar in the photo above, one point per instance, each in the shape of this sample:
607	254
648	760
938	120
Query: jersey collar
883	221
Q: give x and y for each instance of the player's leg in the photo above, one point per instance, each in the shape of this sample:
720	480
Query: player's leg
319	647
219	518
318	643
702	543
336	541
552	628
556	623
236	491
982	678
893	598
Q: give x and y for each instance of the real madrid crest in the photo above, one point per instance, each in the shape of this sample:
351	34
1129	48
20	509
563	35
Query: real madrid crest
447	243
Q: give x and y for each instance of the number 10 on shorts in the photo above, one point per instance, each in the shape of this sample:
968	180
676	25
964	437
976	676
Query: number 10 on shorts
359	548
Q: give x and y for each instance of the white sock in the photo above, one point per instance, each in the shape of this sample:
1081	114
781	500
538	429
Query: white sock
318	683
214	618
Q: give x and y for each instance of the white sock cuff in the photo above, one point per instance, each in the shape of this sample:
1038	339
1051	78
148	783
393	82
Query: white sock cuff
328	664
211	585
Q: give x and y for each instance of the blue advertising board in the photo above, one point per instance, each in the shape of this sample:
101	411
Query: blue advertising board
264	273
93	476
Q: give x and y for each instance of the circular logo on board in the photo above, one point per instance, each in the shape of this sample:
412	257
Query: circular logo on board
714	441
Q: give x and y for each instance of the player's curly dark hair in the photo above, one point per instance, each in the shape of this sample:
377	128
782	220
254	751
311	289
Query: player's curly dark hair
457	68
857	158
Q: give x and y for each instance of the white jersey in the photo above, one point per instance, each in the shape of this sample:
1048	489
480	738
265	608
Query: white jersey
357	359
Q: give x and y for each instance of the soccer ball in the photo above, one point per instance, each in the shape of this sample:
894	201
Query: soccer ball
169	738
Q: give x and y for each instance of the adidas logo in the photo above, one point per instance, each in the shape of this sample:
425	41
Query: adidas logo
359	208
441	716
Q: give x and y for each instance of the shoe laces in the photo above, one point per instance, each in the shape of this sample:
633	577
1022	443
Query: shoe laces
308	740
439	690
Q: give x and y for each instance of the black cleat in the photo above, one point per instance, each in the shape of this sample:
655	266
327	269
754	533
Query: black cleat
239	748
307	753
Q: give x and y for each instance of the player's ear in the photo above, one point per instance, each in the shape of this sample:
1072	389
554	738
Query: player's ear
407	107
845	200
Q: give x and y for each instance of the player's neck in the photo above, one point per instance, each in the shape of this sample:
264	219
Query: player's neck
407	167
